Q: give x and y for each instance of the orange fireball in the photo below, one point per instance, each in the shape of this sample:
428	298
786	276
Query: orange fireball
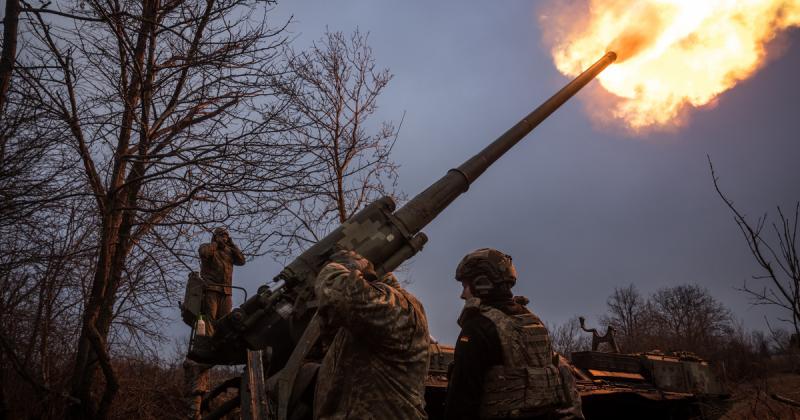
672	53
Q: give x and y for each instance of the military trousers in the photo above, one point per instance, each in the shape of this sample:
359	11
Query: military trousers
217	304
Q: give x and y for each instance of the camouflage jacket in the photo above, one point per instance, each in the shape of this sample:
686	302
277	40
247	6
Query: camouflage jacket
216	264
375	367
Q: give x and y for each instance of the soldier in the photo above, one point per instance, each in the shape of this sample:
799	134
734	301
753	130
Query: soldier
217	259
376	365
504	365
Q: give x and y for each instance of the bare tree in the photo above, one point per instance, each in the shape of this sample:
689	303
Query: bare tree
41	300
680	318
130	129
689	318
9	49
46	249
168	108
568	337
776	253
631	316
333	91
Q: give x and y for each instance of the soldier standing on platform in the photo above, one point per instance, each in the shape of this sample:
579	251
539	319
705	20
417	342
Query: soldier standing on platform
217	259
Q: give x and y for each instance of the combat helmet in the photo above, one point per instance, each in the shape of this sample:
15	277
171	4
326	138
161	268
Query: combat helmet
487	270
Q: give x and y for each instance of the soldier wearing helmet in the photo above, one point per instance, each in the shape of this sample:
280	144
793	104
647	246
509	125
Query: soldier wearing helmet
504	364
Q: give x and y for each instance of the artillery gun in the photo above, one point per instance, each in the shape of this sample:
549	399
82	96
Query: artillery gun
281	318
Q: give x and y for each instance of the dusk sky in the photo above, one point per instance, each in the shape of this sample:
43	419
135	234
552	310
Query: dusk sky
582	206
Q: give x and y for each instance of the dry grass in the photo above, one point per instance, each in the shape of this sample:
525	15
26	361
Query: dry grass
752	400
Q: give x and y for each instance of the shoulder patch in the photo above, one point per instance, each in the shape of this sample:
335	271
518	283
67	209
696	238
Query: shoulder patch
464	339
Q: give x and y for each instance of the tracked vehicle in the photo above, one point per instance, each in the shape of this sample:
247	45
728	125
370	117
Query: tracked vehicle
650	385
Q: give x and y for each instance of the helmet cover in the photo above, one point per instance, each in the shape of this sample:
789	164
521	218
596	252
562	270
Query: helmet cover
486	269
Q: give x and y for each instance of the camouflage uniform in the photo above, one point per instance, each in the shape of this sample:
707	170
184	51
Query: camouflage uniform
217	259
376	365
504	365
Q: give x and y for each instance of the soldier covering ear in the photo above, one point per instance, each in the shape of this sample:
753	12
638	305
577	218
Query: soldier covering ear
217	259
377	361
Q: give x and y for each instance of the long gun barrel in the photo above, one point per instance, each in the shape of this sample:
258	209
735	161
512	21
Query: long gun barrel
278	317
423	208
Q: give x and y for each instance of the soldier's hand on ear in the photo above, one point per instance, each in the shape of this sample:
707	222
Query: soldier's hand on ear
354	261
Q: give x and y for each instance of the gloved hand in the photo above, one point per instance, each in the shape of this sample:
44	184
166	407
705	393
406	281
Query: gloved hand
354	261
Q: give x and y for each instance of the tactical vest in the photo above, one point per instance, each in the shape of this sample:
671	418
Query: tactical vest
528	383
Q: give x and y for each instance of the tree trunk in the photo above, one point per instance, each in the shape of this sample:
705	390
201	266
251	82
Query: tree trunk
92	350
115	245
10	23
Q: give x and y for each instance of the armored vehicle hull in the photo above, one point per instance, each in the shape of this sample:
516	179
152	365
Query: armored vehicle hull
650	385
